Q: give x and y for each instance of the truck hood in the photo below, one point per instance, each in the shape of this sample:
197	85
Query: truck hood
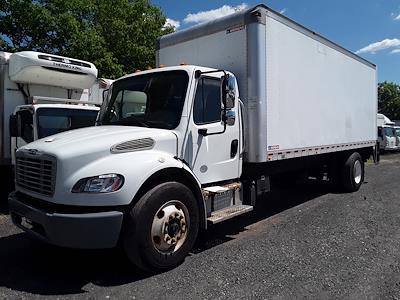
97	141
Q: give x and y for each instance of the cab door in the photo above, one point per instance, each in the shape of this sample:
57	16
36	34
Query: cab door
213	147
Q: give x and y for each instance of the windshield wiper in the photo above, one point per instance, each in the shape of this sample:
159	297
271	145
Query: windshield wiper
127	120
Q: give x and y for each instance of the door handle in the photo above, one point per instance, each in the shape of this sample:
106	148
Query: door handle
234	148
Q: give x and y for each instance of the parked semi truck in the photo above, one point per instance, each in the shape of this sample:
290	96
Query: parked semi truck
182	147
387	136
34	90
397	130
49	115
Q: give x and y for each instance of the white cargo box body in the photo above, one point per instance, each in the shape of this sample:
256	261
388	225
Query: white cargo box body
304	95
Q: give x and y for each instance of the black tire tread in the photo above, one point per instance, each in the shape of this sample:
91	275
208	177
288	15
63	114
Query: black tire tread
139	255
347	176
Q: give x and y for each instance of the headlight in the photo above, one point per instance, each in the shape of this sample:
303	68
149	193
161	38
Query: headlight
99	184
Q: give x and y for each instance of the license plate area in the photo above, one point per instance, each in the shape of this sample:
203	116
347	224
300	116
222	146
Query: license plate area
27	223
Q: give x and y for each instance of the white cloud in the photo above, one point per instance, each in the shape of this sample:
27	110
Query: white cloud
172	23
209	15
395	16
282	11
394	51
378	46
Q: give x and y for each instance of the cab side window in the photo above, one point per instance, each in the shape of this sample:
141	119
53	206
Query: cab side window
26	125
207	102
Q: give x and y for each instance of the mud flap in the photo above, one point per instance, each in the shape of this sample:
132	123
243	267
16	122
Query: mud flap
376	153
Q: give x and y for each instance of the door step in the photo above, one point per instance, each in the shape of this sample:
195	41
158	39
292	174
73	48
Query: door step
228	213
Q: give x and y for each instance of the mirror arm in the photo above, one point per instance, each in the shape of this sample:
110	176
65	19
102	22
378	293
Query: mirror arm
203	131
105	91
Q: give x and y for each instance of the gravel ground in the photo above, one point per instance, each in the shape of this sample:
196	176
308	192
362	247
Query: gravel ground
300	242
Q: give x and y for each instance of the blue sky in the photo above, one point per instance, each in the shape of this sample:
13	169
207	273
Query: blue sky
371	27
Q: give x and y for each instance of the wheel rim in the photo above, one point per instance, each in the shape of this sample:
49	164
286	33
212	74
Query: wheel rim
357	171
170	227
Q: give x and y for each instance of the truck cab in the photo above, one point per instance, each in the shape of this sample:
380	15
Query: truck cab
169	134
35	121
387	136
161	100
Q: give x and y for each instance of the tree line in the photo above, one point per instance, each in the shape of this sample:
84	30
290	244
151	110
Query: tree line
118	36
389	100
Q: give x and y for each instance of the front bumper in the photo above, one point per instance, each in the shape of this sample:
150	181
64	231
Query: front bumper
95	230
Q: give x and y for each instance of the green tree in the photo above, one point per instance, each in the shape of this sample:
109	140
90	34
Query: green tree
389	99
118	36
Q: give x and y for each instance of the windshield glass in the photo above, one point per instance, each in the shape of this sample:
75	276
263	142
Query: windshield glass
55	120
149	100
398	132
389	132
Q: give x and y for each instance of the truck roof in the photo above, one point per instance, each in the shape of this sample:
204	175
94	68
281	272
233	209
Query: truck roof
382	120
5	55
246	17
187	68
66	106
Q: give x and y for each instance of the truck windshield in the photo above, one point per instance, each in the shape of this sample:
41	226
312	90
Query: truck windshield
55	120
150	100
389	132
398	132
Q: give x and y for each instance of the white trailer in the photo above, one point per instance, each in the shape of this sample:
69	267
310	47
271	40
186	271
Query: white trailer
27	80
181	147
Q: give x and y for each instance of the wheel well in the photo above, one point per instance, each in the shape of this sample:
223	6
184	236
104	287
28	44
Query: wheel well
178	175
366	153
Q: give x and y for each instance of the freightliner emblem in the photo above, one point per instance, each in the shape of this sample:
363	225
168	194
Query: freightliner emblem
33	151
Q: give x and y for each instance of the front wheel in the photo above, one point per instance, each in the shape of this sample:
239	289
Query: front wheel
162	227
353	173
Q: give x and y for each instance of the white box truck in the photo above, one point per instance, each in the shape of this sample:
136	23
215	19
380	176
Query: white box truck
388	138
181	147
34	90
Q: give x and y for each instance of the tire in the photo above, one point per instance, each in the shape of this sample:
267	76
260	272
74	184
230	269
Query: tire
162	227
353	173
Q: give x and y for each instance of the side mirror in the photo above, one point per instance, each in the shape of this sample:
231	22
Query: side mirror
230	117
14	128
229	92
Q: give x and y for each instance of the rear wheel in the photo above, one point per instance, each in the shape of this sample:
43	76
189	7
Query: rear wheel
353	173
162	227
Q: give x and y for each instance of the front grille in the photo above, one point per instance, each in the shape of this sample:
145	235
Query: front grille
35	173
